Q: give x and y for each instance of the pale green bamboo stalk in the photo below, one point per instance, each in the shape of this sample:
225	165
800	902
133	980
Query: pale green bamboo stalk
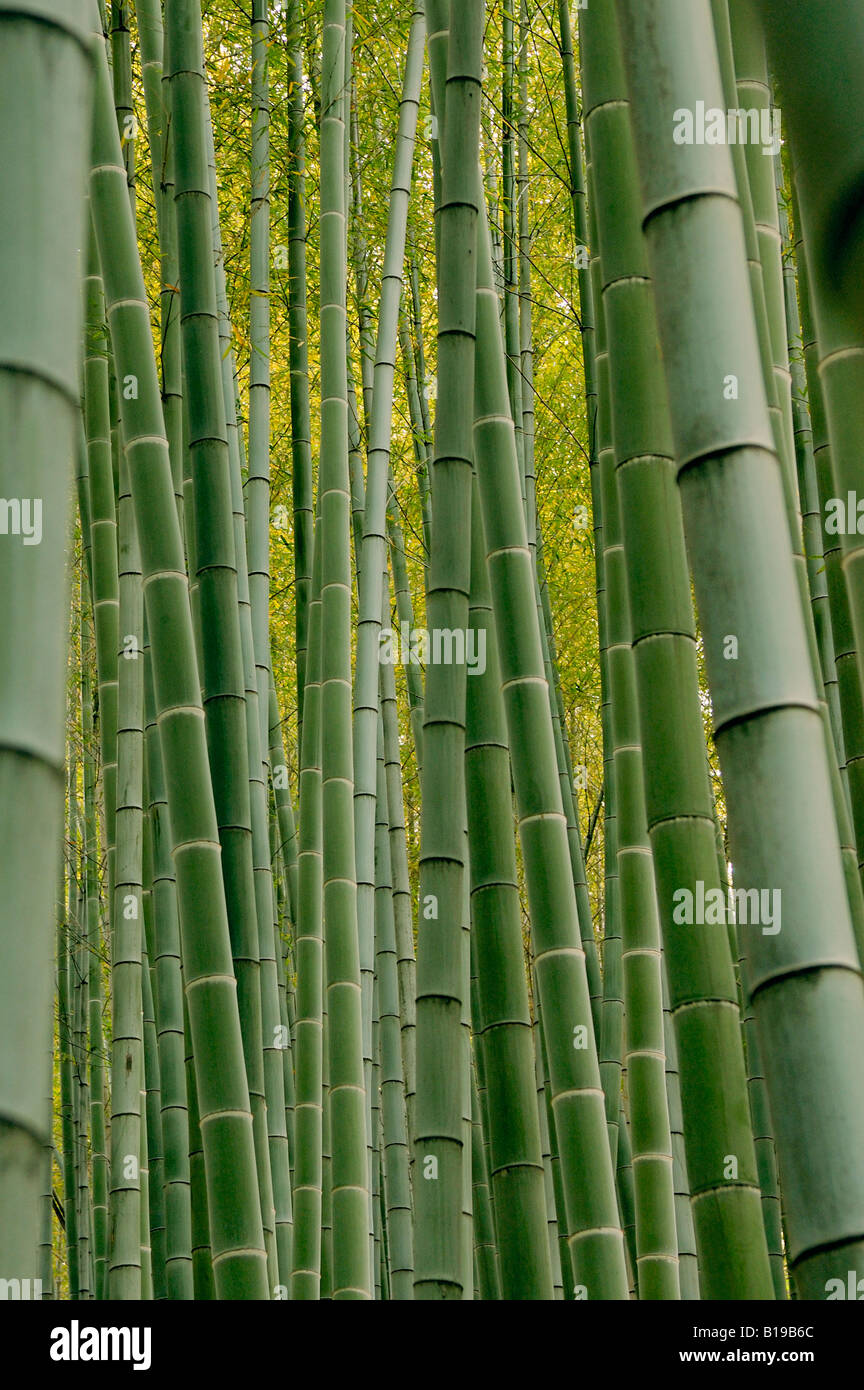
44	60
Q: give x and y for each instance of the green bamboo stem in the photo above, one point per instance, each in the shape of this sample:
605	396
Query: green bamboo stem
202	1260
347	1095
94	946
610	1035
502	1022
641	959
286	994
418	435
406	964
152	1107
846	655
326	1170
168	993
121	69
127	1047
808	490
544	1097
565	777
43	59
238	1251
768	724
753	90
759	204
565	1008
81	958
828	160
552	1232
523	232
376	1184
688	1259
102	524
626	1198
510	234
405	615
467	1215
66	1064
155	74
309	948
845	642
301	448
264	1069
372	555
360	260
679	813
145	1236
485	1253
395	1148
228	677
282	797
443	1085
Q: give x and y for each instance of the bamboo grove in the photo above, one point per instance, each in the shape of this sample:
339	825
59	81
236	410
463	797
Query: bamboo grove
431	650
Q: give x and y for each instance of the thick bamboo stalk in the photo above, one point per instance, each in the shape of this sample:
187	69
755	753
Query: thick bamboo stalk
768	725
44	60
678	800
